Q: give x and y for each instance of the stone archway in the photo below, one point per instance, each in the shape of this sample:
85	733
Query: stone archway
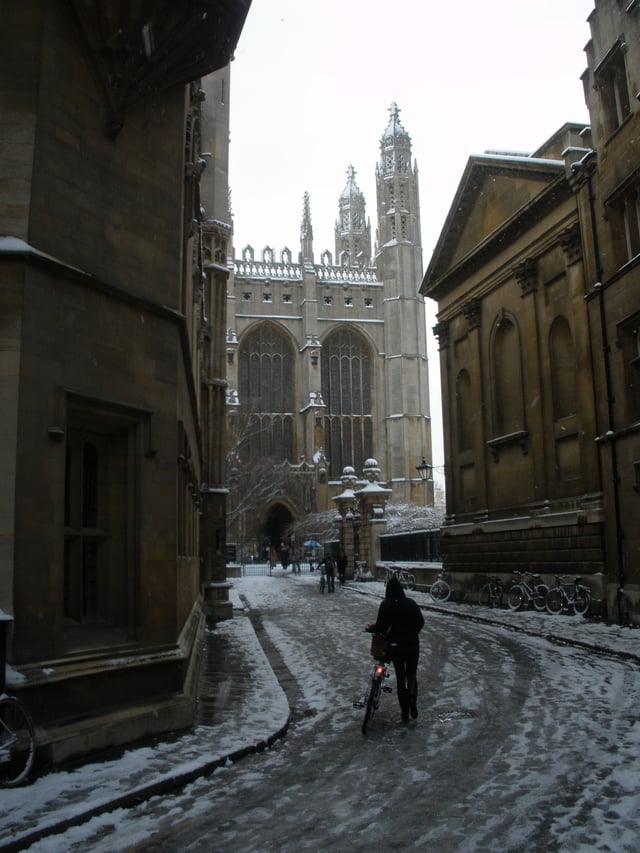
278	519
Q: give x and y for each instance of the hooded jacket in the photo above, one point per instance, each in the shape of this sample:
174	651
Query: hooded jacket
399	617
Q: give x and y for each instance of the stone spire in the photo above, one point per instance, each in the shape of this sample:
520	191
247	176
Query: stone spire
397	186
306	231
352	230
395	146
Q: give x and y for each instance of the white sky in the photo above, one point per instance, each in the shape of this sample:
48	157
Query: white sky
313	80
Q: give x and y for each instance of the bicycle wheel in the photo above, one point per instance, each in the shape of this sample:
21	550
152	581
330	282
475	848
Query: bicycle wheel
555	600
582	601
411	581
440	590
17	743
540	597
515	599
371	703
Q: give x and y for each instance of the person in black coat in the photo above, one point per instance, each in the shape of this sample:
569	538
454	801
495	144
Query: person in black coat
401	620
342	566
330	572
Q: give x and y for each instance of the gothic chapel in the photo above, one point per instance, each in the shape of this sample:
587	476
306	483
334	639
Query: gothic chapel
327	357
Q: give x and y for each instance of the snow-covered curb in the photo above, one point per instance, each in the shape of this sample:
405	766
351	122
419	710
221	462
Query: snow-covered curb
66	798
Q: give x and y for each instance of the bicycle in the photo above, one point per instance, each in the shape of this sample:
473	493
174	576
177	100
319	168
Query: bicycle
406	578
491	593
17	742
523	593
440	590
379	673
568	594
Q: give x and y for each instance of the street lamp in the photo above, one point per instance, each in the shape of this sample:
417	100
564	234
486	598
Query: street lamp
424	469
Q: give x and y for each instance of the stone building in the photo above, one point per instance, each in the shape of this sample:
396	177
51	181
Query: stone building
607	182
112	281
536	278
523	482
327	357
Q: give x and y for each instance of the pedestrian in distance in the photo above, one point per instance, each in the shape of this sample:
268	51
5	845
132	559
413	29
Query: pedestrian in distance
295	561
285	555
400	620
342	566
330	572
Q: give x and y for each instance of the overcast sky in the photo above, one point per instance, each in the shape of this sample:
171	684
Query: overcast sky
313	80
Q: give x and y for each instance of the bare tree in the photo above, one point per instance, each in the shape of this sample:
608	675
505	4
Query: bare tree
403	517
314	525
254	481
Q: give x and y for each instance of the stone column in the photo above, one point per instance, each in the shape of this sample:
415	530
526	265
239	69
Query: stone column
346	503
371	499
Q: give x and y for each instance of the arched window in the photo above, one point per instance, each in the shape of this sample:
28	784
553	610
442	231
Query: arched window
346	388
563	369
266	387
507	369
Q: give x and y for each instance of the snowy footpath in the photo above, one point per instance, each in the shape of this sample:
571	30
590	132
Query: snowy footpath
253	712
254	716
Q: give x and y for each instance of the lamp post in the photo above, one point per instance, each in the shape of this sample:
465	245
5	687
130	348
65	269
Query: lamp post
424	470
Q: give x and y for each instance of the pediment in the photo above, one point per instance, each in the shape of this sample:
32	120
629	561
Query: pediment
493	191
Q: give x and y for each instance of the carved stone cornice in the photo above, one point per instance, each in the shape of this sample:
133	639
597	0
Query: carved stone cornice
442	331
473	313
526	275
142	47
571	241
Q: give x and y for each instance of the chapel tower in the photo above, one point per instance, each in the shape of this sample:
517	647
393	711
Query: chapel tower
326	357
399	266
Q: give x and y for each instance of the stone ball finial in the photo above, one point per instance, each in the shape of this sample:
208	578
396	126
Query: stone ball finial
371	470
348	477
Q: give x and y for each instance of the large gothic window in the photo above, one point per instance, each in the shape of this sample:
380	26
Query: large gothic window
266	385
346	388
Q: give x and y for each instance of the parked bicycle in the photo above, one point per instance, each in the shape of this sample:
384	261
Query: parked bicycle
379	673
440	589
17	742
491	592
406	578
569	594
522	594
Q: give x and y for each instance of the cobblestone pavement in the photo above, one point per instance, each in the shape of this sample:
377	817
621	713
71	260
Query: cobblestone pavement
523	739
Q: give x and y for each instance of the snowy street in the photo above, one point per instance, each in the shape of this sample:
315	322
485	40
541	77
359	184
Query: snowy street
520	743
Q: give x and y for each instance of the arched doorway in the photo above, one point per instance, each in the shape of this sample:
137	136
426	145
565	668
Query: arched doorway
278	519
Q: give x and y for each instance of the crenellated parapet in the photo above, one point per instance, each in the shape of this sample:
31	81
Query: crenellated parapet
275	270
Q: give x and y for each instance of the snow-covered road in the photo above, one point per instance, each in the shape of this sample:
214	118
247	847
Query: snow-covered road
520	744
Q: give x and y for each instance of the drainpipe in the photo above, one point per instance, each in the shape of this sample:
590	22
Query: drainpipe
609	436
